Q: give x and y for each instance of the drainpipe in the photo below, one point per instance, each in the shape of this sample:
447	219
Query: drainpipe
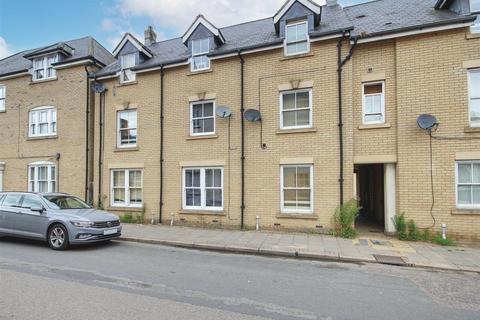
242	158
341	63
87	128
162	74
100	148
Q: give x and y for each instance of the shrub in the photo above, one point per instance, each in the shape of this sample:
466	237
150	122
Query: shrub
344	218
443	242
127	218
413	232
401	226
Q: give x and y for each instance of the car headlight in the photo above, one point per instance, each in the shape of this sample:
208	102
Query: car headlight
82	224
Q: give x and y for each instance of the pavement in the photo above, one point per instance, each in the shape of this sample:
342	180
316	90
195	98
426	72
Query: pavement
369	249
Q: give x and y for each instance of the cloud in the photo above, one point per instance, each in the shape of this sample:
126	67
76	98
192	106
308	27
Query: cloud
108	25
5	49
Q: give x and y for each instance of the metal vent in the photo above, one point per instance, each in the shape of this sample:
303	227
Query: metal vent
390	260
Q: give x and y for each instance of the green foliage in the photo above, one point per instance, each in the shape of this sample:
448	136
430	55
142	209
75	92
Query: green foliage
131	218
344	218
413	232
401	226
443	242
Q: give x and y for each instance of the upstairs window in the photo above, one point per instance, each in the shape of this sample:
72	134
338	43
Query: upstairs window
43	69
200	49
42	177
202	118
127	129
474	6
297	40
3	94
296	109
43	122
475	28
474	95
127	62
373	103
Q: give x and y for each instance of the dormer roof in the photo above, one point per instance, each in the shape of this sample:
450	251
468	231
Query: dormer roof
312	6
60	47
201	20
128	37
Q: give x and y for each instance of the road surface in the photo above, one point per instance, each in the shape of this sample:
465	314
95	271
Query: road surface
122	280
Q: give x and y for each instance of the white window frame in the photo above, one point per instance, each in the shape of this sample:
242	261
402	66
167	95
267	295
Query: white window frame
282	188
474	8
127	203
127	71
203	188
286	43
119	136
45	68
464	206
202	118
364	114
470	98
199	54
51	180
51	119
310	108
3	97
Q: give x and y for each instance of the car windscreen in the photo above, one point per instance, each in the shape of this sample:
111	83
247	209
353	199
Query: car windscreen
66	202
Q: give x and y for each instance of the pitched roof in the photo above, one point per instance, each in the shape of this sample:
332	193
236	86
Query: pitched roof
82	48
381	17
244	36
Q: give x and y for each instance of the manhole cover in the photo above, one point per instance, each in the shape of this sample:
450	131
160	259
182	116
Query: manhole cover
390	260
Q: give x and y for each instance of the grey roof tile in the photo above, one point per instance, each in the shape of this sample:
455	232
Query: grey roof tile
82	48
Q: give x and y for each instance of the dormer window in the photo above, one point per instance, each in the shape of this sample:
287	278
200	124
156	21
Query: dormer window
43	69
200	49
296	38
127	62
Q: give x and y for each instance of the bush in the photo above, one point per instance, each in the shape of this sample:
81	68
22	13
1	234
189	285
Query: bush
401	226
344	218
413	232
443	242
127	218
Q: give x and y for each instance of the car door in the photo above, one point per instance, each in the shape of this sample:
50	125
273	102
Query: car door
9	211
31	223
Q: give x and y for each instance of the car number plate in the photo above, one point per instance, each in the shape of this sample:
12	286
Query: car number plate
110	231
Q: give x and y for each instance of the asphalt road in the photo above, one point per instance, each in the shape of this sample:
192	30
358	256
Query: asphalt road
124	280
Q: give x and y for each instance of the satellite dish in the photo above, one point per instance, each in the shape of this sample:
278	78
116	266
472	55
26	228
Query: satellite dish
98	87
223	112
253	115
427	121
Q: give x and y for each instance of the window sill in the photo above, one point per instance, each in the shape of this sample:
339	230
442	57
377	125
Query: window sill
207	136
125	209
470	35
202	212
374	126
43	80
193	73
3	111
126	149
42	138
297	56
472	130
301	216
290	131
126	84
465	211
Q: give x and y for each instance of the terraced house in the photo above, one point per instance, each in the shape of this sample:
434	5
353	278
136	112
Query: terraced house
278	121
45	110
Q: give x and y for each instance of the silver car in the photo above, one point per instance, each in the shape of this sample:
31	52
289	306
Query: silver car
60	219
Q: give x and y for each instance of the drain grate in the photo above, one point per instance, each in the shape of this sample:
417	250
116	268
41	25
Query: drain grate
390	260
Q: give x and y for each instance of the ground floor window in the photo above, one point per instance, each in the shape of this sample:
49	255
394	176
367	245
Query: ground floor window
203	188
468	184
42	177
127	188
297	189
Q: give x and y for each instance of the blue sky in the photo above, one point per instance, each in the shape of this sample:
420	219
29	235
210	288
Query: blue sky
26	24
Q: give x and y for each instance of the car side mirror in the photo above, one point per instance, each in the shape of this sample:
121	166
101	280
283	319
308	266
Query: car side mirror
37	209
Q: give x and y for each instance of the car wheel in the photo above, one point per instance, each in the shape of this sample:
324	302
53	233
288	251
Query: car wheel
58	237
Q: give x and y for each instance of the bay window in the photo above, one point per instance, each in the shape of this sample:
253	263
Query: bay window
127	188
203	189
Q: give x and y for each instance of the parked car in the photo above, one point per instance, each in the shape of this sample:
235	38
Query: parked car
60	219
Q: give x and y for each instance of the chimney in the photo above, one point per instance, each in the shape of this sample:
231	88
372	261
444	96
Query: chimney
150	36
332	2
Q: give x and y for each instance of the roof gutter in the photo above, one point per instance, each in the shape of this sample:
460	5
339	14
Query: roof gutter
14	74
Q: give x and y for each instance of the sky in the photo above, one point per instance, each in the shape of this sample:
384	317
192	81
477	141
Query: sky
28	24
